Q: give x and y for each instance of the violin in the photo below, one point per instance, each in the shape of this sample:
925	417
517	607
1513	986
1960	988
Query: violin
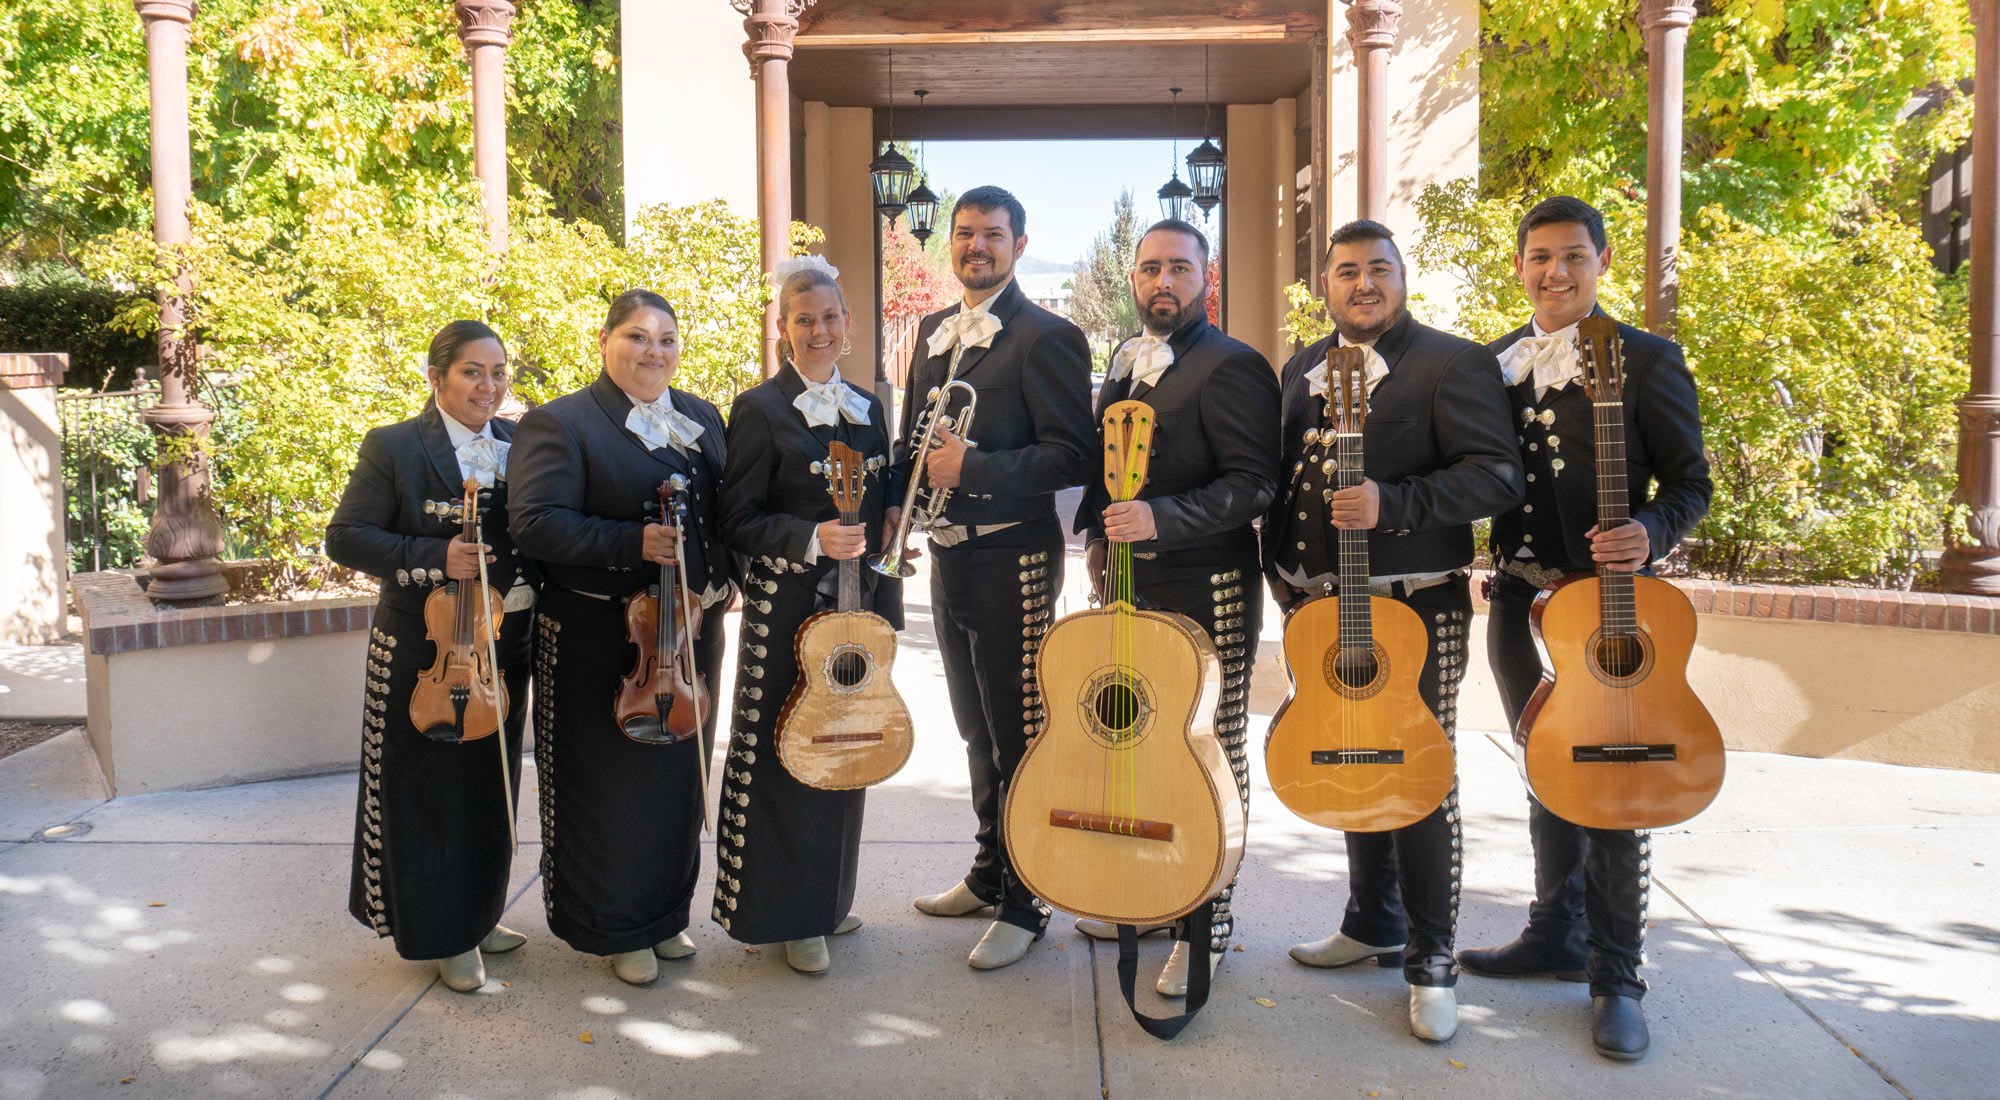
461	697
664	699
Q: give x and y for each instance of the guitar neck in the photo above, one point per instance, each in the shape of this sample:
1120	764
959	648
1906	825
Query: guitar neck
1614	597
1357	625
850	573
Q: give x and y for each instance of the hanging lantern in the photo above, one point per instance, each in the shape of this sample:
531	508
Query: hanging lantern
1206	164
891	170
922	202
1174	194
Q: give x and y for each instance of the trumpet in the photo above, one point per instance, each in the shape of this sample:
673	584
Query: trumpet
891	562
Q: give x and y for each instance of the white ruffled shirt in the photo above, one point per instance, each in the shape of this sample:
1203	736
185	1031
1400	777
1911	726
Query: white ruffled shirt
660	424
1550	358
1144	358
480	456
824	404
973	326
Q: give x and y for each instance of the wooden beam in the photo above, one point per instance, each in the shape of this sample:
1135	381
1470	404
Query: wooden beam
1269	32
1052	124
918	22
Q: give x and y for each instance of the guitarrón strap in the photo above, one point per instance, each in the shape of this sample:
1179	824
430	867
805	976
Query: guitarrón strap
1166	1027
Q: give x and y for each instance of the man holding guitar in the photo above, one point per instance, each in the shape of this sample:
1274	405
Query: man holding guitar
1213	471
1588	918
1439	454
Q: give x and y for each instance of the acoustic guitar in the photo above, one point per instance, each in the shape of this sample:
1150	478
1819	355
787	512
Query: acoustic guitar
1124	808
844	725
1614	738
1353	747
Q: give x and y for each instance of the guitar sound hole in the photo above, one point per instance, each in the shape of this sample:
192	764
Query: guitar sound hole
1620	656
1356	668
848	668
1117	707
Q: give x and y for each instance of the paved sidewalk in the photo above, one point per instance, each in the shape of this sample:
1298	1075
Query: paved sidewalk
1827	930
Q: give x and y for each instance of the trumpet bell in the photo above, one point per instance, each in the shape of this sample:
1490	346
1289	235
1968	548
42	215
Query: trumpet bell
891	565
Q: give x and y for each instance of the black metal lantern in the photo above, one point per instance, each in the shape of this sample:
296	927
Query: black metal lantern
891	170
1206	164
922	201
1174	194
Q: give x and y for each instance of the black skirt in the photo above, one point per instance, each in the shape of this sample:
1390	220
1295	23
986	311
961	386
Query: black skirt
786	853
431	845
621	820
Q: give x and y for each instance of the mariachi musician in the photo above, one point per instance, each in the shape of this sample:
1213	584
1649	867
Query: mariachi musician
433	836
998	553
621	818
1213	471
787	853
1588	919
1438	454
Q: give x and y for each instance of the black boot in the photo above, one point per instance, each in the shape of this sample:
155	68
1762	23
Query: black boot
1523	958
1618	1027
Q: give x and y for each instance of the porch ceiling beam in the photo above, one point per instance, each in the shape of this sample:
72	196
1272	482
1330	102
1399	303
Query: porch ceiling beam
1268	32
876	23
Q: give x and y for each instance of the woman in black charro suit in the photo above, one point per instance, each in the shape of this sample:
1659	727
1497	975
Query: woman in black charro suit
621	819
432	840
786	853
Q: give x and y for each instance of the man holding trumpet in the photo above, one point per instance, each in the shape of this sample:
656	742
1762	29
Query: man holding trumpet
1030	372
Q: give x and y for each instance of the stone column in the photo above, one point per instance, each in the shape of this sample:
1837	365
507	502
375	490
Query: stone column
1371	30
485	26
770	25
1665	24
1972	560
185	541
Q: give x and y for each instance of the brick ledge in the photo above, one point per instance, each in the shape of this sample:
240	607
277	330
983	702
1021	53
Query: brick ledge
1856	606
118	618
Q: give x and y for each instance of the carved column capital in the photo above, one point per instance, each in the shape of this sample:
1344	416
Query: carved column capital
1373	24
770	26
1665	15
173	11
485	22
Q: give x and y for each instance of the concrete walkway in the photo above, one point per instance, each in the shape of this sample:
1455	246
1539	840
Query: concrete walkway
1827	930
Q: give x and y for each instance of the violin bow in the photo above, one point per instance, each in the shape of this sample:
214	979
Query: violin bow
493	666
679	509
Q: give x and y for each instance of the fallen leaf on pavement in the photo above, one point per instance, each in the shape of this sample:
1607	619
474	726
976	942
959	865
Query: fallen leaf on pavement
753	950
1455	1063
1266	1002
585	1037
156	905
126	1080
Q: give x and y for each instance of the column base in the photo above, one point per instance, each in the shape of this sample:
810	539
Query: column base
196	583
1971	570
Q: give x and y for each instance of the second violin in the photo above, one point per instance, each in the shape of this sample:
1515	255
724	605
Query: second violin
664	698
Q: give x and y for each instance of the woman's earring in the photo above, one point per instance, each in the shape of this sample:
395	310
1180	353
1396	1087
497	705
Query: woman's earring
846	344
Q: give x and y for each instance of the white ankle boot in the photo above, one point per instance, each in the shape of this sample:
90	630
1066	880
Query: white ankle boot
1433	1012
1105	930
807	956
679	947
1174	979
958	901
1002	945
465	972
1338	950
636	967
847	924
501	940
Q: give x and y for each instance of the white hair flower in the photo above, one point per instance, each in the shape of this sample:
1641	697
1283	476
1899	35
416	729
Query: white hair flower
785	269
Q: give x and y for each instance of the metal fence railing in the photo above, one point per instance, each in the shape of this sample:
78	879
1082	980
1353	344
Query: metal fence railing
107	470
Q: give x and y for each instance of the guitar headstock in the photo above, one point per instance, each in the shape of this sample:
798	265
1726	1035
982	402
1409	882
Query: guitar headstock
1128	448
1603	358
1347	388
846	476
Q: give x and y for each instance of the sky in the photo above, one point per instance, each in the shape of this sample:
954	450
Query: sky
1068	187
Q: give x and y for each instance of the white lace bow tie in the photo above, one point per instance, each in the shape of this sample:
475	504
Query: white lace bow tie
662	425
1378	369
972	328
1145	358
1550	360
825	403
483	459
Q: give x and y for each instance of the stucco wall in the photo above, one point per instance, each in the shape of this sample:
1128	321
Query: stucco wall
33	556
687	94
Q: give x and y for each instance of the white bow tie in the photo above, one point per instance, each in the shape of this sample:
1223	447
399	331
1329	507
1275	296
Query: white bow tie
1145	358
972	328
1378	369
1550	360
825	403
662	425
483	458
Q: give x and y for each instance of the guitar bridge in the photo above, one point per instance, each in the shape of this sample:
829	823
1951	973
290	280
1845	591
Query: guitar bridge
1117	826
845	738
1359	756
1622	754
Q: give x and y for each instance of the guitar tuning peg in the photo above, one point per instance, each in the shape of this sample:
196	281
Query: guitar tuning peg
818	467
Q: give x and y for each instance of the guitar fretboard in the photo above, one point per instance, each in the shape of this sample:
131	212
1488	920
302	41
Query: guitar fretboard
1357	627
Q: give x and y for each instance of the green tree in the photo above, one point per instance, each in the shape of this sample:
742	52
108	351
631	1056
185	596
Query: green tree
1101	292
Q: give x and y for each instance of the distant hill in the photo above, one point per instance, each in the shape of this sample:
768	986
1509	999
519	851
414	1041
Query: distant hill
1029	265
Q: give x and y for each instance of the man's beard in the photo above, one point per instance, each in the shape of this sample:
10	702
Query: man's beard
1166	326
1354	335
994	276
